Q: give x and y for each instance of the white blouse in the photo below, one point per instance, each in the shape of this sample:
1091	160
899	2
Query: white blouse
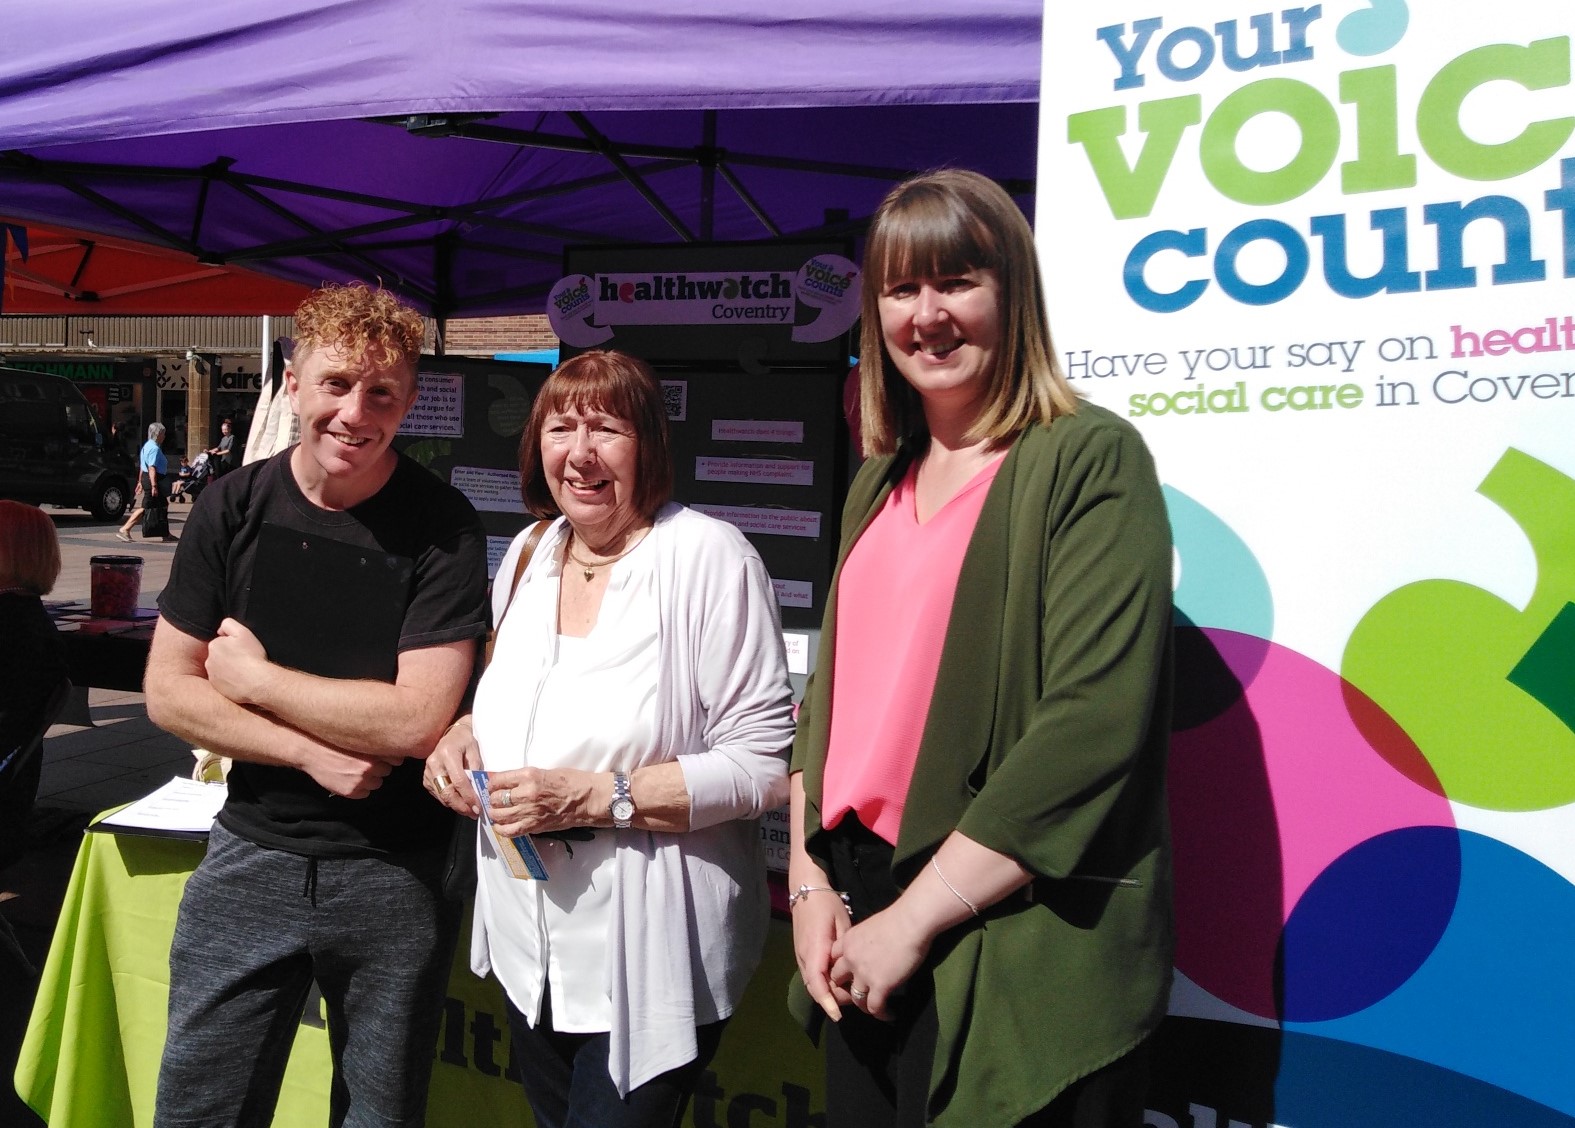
686	914
594	708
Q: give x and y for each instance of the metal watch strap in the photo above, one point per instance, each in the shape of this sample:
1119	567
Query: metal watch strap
623	797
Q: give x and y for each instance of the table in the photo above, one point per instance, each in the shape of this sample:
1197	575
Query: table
101	653
91	1054
106	653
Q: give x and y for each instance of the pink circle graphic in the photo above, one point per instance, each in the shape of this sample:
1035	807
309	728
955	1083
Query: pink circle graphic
1265	797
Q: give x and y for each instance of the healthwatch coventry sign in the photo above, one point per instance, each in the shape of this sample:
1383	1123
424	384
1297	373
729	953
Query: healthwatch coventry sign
816	303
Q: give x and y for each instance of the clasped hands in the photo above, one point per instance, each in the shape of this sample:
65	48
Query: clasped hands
860	965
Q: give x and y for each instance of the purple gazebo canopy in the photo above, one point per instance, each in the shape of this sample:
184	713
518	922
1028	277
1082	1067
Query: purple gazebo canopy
453	150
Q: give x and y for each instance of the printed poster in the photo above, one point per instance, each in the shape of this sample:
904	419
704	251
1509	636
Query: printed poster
1321	256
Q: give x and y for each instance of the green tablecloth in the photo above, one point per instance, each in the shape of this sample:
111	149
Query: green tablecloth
91	1054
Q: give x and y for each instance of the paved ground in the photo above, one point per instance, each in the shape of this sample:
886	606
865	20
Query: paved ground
87	769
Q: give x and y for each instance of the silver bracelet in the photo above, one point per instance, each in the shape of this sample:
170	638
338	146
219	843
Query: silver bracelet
972	908
805	890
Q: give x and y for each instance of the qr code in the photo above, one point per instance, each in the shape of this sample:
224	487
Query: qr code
675	397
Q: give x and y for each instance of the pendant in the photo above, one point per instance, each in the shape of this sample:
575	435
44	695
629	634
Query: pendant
588	573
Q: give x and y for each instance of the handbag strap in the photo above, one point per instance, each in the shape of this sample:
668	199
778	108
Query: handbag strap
527	550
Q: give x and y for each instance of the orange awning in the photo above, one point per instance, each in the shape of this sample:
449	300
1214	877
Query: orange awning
72	272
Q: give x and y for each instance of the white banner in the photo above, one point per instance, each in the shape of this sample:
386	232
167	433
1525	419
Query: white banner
1321	256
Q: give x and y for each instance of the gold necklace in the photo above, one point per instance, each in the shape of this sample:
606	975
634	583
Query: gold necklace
590	569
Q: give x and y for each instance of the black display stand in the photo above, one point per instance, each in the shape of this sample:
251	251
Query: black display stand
758	434
473	433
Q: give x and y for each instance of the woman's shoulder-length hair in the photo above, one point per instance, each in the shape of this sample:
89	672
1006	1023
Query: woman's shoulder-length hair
618	384
943	223
29	548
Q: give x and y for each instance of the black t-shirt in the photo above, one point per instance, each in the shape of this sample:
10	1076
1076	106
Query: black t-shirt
416	516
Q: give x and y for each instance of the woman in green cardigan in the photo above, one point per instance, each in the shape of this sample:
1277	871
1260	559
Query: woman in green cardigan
980	872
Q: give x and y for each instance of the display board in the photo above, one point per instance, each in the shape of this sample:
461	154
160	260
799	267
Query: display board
750	341
465	427
1321	257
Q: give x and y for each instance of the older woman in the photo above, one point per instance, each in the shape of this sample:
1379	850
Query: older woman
979	770
152	470
32	660
637	701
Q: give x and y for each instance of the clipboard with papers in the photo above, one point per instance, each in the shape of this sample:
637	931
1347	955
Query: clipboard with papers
181	808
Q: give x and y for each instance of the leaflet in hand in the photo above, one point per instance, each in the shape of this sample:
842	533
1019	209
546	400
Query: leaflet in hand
519	853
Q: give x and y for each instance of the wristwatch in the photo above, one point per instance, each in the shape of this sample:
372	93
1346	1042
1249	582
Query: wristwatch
622	805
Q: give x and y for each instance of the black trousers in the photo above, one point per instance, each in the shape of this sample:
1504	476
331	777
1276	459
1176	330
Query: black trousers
878	1073
567	1084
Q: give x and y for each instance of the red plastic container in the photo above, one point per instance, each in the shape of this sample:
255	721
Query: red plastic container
116	585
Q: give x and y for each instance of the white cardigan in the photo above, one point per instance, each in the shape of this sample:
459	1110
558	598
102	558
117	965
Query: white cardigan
689	910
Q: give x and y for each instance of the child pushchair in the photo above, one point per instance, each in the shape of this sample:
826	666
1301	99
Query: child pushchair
187	489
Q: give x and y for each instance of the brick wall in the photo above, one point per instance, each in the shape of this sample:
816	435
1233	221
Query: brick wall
483	336
230	336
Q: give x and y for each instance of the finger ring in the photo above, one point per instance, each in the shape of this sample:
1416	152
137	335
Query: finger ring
441	781
508	800
858	996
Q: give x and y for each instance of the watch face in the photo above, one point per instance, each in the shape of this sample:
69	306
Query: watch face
622	810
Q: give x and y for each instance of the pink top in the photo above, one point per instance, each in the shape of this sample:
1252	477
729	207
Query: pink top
894	600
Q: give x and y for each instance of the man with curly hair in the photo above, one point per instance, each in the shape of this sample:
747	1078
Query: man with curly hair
325	862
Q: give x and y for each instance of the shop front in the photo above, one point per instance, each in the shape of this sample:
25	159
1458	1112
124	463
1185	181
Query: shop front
196	395
122	391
